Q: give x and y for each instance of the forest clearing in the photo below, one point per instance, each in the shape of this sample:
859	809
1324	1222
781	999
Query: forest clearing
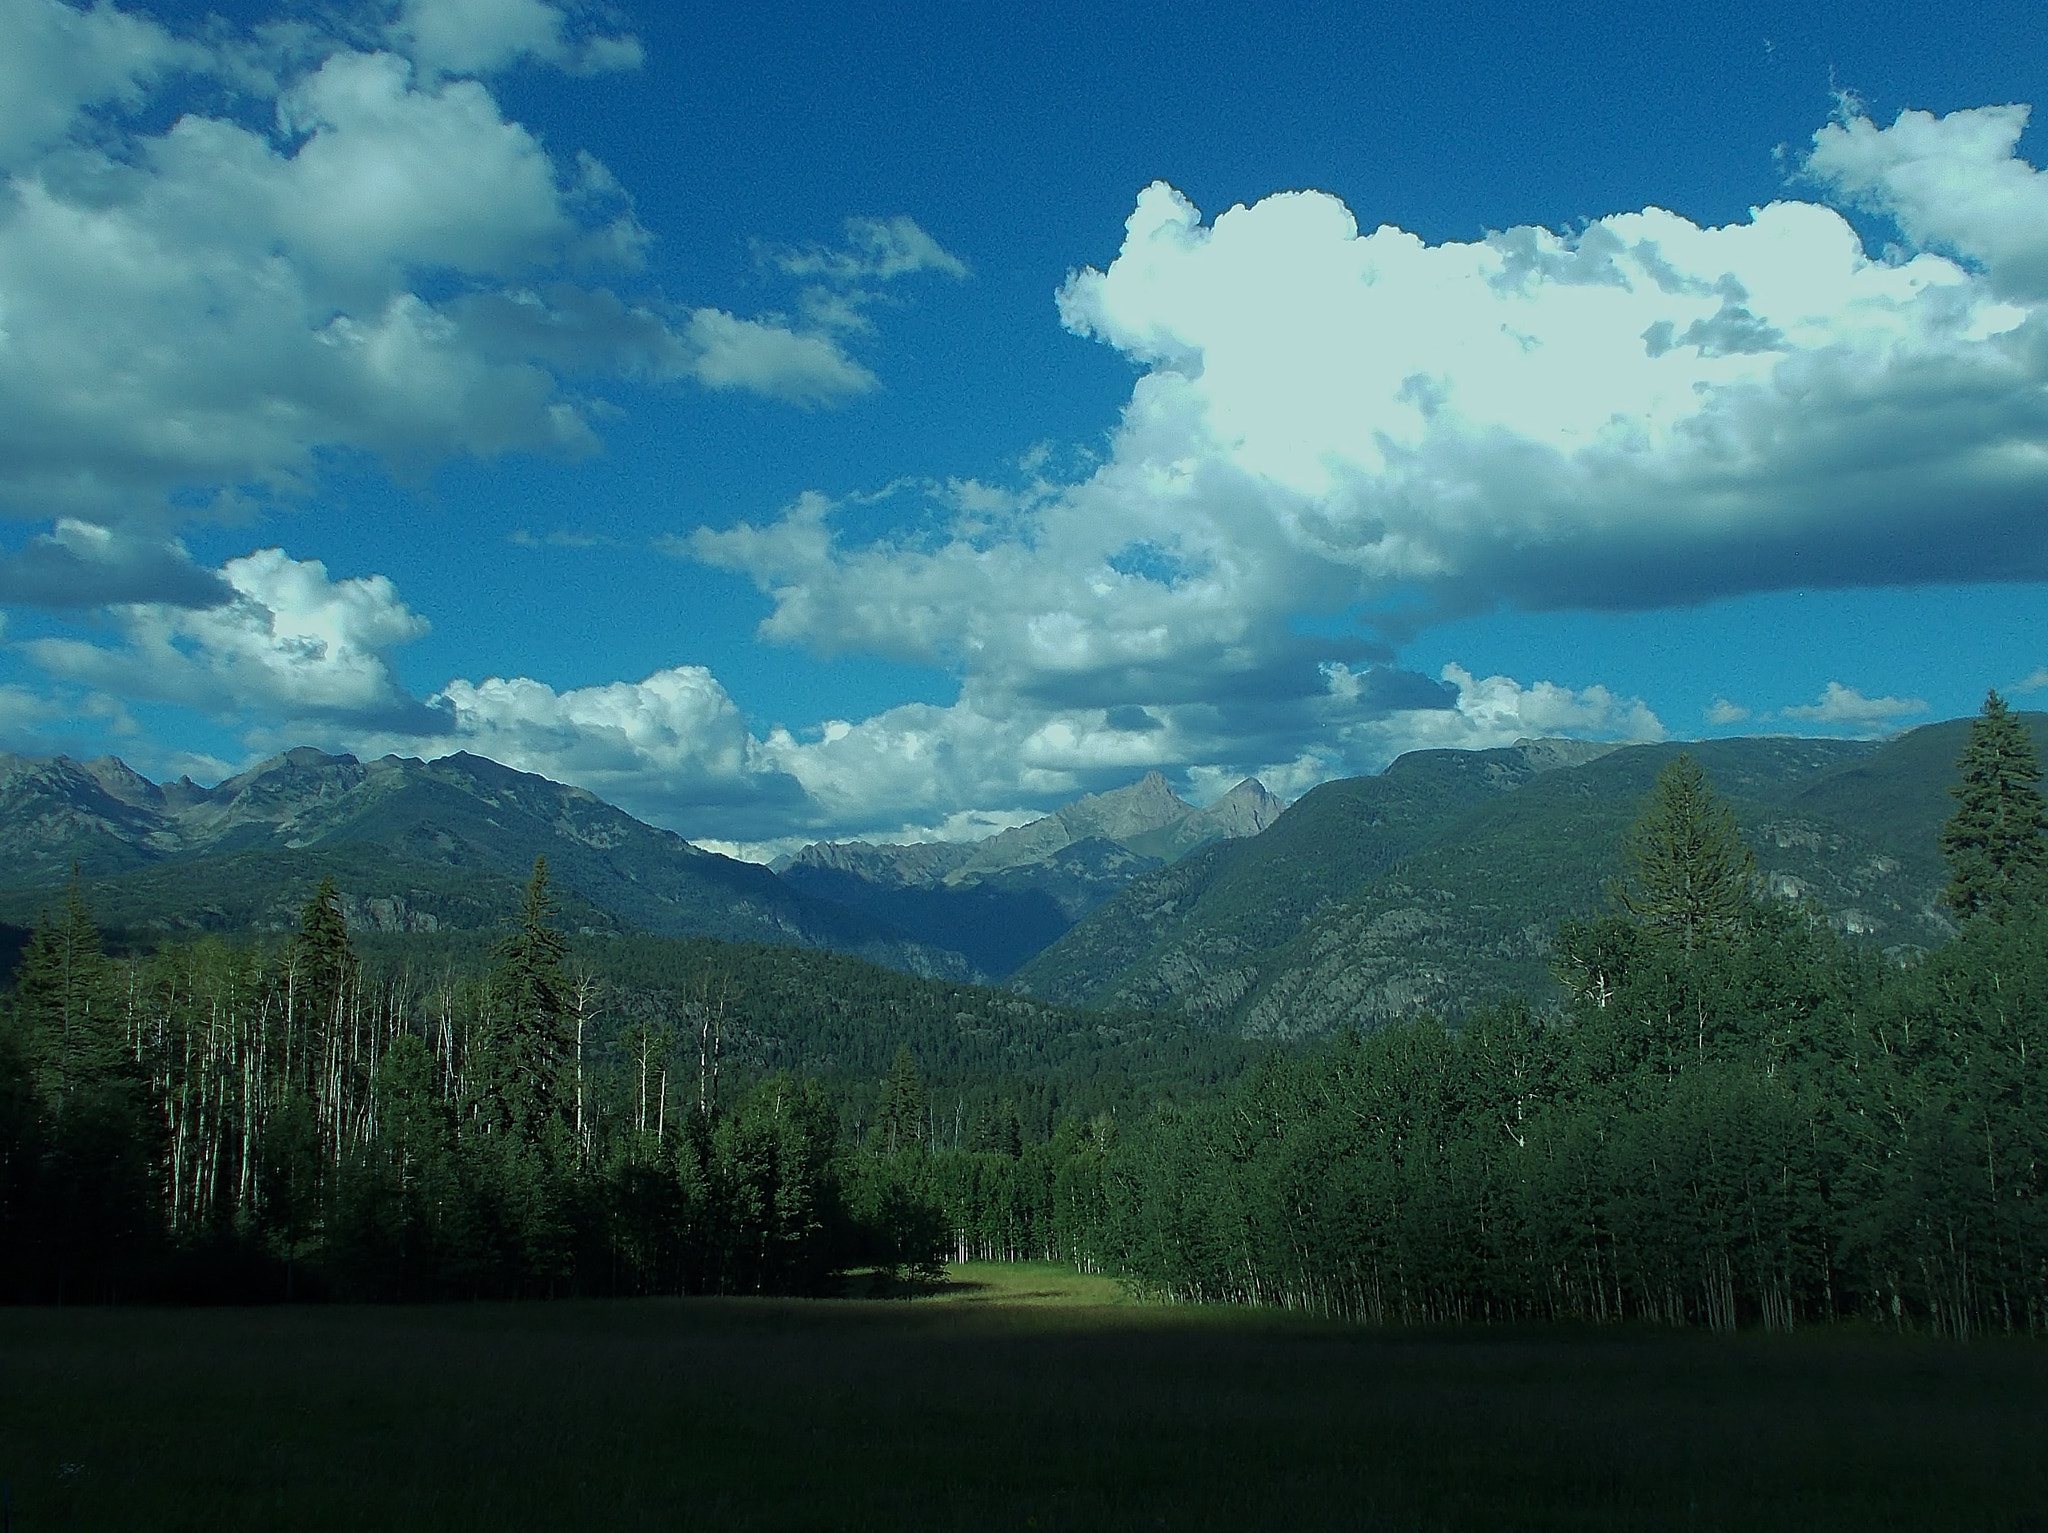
1010	1396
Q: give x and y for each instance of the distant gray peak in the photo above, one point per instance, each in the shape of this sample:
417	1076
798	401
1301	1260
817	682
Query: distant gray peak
1245	810
1549	754
921	862
120	781
1146	804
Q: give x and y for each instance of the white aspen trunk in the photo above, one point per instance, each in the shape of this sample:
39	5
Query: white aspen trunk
640	1100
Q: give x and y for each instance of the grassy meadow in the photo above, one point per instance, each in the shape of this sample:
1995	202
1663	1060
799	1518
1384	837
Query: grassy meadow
1022	1397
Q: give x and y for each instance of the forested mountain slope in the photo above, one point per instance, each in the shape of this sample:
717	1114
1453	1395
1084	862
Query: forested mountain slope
1440	884
414	845
1243	897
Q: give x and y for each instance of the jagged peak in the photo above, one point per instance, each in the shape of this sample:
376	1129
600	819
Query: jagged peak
1250	788
120	781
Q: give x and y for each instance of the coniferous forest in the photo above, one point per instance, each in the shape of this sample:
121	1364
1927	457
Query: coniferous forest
1737	1119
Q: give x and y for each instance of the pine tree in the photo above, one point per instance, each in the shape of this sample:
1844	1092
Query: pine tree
899	1123
68	1003
322	970
323	958
1689	873
1995	843
533	988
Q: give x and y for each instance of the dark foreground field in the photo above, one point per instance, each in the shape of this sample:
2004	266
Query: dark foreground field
1021	1399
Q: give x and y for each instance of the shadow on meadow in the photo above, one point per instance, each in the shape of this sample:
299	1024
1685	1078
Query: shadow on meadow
1019	1397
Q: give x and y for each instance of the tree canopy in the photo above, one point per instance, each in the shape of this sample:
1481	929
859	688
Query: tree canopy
1995	842
1688	872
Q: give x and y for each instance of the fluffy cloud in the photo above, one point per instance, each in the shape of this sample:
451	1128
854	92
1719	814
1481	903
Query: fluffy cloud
1644	412
290	655
1338	436
771	359
1844	707
372	257
56	61
671	747
1951	183
479	36
1721	712
1335	423
293	647
581	330
1002	754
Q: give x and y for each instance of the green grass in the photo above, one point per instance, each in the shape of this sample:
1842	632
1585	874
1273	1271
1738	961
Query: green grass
1022	1397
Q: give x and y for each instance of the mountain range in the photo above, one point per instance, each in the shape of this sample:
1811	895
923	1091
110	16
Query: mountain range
415	846
1436	884
448	844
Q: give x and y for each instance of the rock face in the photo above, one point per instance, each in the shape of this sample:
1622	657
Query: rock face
410	842
1001	900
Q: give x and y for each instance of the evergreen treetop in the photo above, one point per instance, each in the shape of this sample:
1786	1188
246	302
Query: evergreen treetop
1689	874
900	1122
533	1045
323	957
1995	842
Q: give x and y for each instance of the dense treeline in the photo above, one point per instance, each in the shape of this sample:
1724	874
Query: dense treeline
1768	1130
1738	1118
214	1121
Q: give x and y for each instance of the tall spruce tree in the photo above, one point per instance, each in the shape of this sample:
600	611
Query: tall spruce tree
1689	875
533	990
899	1122
1995	842
69	1006
322	970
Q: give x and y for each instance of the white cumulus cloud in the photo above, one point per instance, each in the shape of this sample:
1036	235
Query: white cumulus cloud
479	36
1362	429
1951	183
365	253
294	647
772	359
1721	711
56	60
291	655
1845	707
669	744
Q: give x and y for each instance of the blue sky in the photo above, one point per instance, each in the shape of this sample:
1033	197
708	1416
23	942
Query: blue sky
799	422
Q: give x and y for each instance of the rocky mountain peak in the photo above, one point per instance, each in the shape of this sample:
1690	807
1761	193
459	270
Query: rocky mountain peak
123	783
1245	810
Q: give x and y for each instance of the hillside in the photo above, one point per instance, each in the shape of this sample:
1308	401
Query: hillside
414	845
1245	897
1439	883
